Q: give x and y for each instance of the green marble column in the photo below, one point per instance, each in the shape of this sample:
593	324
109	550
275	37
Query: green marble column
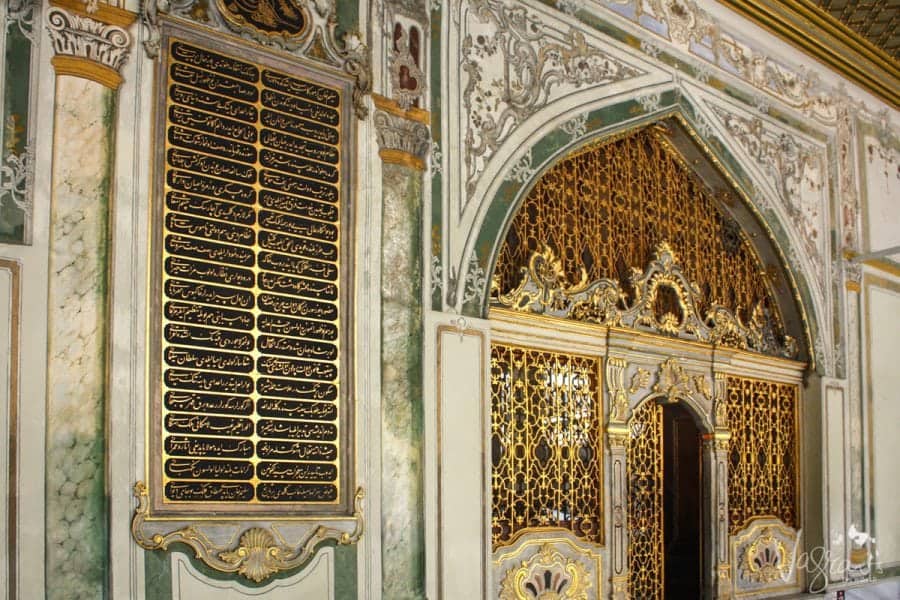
403	144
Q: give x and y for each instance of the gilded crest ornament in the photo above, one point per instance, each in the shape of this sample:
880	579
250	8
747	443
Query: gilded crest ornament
287	20
663	300
548	575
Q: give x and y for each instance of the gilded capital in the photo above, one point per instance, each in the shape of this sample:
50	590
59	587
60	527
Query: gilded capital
401	140
86	47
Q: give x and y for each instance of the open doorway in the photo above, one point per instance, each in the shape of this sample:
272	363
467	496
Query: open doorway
682	504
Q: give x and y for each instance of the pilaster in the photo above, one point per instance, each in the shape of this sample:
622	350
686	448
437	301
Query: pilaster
88	55
403	141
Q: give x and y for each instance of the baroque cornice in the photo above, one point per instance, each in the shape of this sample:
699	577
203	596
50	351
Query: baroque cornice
85	47
808	27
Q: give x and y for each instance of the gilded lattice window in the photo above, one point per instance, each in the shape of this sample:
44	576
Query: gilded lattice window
762	470
545	440
645	501
607	207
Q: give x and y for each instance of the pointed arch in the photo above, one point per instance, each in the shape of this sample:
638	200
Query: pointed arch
708	156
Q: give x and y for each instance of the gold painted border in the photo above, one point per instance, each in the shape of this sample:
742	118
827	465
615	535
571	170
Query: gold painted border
806	26
15	301
104	12
482	374
76	66
399	157
413	113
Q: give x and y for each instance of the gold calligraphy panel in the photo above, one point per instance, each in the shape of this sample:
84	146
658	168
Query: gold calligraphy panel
251	307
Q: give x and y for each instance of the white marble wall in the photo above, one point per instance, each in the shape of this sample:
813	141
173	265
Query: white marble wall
883	383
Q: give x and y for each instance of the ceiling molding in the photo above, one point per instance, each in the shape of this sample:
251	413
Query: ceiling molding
810	28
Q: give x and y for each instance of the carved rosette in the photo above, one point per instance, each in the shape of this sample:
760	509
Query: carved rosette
85	47
259	553
401	140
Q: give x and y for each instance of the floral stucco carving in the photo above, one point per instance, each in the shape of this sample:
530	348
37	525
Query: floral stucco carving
694	31
513	65
795	170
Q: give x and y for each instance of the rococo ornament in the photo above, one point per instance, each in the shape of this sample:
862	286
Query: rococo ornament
548	575
664	301
258	554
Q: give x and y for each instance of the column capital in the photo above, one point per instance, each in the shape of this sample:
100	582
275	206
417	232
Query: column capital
87	47
403	135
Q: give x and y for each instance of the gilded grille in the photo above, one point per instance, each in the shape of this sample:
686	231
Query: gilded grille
645	495
608	206
545	442
762	470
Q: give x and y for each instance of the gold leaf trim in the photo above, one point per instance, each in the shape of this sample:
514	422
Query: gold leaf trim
259	553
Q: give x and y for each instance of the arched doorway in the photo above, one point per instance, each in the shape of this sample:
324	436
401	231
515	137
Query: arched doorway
666	518
678	299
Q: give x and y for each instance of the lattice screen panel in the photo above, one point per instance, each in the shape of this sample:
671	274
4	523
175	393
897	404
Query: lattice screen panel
762	470
645	502
546	442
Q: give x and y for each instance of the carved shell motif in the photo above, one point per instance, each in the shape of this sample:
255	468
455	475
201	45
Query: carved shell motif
258	554
548	575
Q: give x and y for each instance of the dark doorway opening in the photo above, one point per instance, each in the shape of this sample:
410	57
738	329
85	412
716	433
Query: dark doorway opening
682	505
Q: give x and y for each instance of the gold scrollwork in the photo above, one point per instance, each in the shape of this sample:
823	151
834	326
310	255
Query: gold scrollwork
548	575
259	552
663	301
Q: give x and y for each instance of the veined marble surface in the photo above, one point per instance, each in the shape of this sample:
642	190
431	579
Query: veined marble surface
402	525
76	514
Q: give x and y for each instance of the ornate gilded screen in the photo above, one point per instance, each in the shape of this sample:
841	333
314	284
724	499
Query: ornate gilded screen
605	211
545	442
762	460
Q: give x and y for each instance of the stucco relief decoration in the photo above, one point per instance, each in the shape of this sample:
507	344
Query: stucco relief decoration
663	301
82	37
21	12
407	79
694	31
797	173
548	575
16	179
259	552
512	66
764	555
847	180
883	151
